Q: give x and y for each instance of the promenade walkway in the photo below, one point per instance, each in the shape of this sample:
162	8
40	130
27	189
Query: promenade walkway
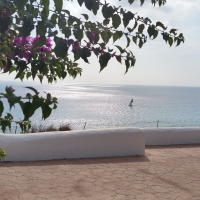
165	173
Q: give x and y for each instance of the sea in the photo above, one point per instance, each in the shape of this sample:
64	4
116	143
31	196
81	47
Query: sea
86	106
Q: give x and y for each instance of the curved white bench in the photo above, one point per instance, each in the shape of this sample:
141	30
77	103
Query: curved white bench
73	144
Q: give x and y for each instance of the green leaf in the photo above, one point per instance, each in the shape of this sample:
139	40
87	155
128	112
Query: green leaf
62	22
45	3
27	109
103	60
77	54
34	69
107	11
150	31
165	37
1	108
134	38
170	41
127	63
85	16
80	2
58	5
142	2
155	34
28	74
46	111
173	31
105	36
85	53
128	41
89	4
33	89
119	59
115	37
120	49
95	7
141	28
140	43
127	17
20	6
12	100
67	32
37	102
61	49
130	1
116	20
78	34
106	21
161	25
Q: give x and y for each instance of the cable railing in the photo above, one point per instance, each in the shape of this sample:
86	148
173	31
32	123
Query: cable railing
101	125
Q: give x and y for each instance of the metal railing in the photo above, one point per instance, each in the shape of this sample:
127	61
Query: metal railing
140	124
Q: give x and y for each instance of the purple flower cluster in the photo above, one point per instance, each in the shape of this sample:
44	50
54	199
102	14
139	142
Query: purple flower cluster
76	46
4	14
25	44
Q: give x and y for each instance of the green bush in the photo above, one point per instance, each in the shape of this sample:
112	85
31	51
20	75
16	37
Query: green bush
2	154
50	128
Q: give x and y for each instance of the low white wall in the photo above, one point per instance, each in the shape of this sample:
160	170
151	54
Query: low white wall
170	136
73	144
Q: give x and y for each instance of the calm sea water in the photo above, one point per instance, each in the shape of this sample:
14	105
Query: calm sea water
106	106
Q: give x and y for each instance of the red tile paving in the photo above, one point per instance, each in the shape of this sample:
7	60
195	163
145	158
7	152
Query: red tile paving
171	173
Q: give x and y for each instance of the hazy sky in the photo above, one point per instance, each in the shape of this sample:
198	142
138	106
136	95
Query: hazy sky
157	63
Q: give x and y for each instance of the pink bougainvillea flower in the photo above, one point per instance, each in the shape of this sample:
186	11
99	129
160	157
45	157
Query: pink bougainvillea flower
43	58
92	35
9	89
65	41
100	51
17	41
25	54
46	49
76	46
36	39
27	39
52	55
42	49
4	14
10	55
28	46
38	49
88	44
113	54
48	42
5	67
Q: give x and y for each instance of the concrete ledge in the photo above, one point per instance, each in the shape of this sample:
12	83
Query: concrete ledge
170	136
73	144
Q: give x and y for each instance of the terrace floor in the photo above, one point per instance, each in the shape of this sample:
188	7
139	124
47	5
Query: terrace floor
171	173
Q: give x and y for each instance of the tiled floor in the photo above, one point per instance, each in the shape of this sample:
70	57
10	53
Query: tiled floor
164	173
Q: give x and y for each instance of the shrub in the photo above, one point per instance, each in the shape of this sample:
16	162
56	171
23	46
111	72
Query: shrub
50	128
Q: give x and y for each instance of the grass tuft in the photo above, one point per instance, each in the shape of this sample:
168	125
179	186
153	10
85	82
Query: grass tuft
50	128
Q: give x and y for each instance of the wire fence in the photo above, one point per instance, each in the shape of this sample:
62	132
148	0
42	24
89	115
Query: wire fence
140	124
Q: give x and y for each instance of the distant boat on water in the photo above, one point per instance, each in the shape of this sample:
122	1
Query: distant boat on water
131	103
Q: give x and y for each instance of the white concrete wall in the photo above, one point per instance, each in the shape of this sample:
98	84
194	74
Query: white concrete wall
73	144
171	136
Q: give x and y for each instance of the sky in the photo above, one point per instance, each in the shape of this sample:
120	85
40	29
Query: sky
156	62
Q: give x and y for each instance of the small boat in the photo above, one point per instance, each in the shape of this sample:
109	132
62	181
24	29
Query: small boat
131	103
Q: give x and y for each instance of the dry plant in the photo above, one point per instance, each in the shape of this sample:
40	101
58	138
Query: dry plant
50	128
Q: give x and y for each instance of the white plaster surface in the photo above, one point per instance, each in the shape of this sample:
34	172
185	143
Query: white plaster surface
73	144
171	136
